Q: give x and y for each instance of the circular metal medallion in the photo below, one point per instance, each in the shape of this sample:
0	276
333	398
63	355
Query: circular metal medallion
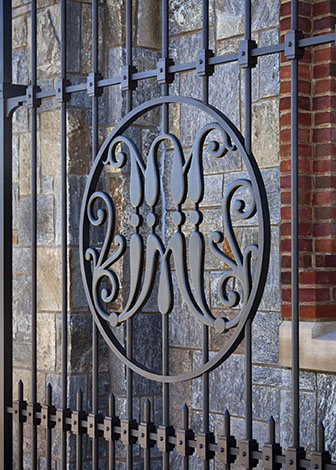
246	266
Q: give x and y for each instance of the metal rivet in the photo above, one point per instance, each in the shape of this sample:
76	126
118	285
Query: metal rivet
90	84
222	449
200	61
290	44
75	422
161	70
58	90
107	428
124	431
91	425
180	442
267	457
29	96
124	77
316	466
161	438
15	412
291	462
243	53
244	453
142	434
29	414
59	420
44	416
201	446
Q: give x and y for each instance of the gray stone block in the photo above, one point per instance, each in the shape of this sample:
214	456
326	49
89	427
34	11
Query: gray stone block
265	338
326	409
181	19
22	308
269	66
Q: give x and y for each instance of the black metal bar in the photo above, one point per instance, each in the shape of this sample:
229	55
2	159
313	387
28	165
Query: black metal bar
205	336
20	430
147	419
129	45
33	117
271	430
294	234
6	355
64	233
111	447
185	425
95	335
48	431
248	146
79	438
165	319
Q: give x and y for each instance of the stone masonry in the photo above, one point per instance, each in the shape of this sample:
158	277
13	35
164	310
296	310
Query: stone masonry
271	382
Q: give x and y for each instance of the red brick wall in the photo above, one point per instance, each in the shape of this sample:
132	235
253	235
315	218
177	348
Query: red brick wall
317	166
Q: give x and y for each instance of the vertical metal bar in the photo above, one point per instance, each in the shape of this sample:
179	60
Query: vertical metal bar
64	233
111	453
320	447
227	432
33	118
165	319
79	438
165	53
248	146
20	430
48	431
294	235
147	418
129	323
205	338
271	430
185	425
6	356
95	336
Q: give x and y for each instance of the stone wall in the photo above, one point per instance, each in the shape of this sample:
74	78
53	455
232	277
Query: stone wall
271	383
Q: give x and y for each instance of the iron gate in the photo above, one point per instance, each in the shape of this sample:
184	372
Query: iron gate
249	266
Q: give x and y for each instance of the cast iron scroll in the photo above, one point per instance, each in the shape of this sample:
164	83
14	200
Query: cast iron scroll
186	180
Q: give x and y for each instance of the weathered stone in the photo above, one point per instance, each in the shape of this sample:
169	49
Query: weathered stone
117	105
20	66
85	48
73	37
230	17
181	19
78	155
227	46
25	376
19	32
266	402
49	294
326	385
265	132
269	66
77	298
229	393
21	355
114	16
265	14
179	393
50	136
21	120
147	32
48	43
47	186
224	91
46	342
265	338
307	419
190	44
307	379
271	299
185	330
45	220
21	260
22	308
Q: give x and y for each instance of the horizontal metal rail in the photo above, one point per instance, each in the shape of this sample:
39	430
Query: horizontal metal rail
15	101
110	428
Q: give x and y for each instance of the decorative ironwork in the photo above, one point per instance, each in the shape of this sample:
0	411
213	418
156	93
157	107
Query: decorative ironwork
187	180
